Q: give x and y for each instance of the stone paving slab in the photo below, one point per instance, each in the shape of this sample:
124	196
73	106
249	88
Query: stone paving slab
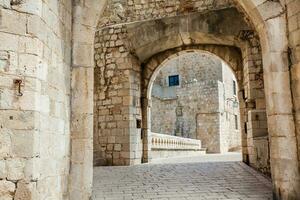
184	181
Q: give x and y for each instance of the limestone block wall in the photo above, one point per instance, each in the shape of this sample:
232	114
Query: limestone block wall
217	129
35	49
256	132
195	99
230	119
174	109
259	140
117	127
134	10
193	67
209	131
163	116
177	116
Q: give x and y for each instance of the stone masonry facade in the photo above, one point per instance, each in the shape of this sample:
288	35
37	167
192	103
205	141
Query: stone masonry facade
117	96
74	77
203	106
35	55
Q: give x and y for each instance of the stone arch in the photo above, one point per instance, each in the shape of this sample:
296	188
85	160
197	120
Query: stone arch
272	29
119	50
237	57
279	99
228	54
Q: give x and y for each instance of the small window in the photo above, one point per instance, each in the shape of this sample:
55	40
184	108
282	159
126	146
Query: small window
138	123
174	80
234	87
236	122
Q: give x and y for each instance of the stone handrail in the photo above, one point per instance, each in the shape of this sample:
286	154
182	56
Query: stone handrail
168	142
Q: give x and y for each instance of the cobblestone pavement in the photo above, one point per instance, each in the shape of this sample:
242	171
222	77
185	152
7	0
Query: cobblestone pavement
222	180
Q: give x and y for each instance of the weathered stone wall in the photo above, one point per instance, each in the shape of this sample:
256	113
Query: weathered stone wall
35	38
121	11
117	133
198	88
201	106
177	115
209	131
255	130
229	108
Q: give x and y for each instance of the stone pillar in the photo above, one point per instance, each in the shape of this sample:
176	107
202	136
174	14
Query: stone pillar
146	129
81	174
256	146
271	25
85	17
281	124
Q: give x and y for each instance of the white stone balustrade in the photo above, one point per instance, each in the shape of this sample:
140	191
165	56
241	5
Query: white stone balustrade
168	142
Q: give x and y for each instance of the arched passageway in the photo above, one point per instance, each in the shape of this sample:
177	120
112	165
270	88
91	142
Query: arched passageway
73	76
133	49
193	95
258	155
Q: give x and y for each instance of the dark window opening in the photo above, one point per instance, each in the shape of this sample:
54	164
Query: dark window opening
236	122
234	87
138	123
245	127
174	80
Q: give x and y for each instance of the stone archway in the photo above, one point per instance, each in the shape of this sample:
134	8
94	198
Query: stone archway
230	55
119	50
285	166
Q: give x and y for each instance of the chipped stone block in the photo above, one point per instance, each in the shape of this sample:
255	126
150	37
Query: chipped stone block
7	190
15	169
14	22
3	173
34	7
118	147
25	191
14	119
9	42
5	143
24	144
